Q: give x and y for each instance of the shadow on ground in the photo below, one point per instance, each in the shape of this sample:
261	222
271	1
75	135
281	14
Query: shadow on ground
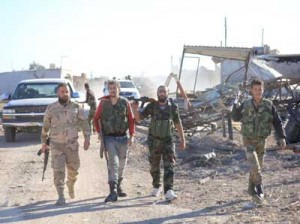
44	209
22	139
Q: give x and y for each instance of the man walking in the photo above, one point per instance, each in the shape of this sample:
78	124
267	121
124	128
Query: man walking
91	101
113	119
164	116
257	115
61	122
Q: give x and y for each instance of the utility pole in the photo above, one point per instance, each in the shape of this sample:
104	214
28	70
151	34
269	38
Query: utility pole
172	65
225	31
61	61
262	37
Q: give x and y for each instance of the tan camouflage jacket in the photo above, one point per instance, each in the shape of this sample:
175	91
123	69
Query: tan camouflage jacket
62	123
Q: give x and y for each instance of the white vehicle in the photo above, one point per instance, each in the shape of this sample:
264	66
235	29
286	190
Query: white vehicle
26	109
128	89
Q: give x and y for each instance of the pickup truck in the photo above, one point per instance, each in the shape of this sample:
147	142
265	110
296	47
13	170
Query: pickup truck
128	89
26	108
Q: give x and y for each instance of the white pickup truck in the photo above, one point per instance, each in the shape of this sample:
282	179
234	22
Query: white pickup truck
26	108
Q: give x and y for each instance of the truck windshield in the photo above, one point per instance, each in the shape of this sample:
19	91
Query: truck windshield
35	90
126	84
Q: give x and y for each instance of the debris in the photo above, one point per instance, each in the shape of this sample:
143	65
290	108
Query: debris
295	203
202	160
210	155
203	181
220	202
208	178
256	219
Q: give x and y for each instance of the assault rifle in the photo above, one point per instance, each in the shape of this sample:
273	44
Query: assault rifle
295	147
103	149
143	99
46	157
102	144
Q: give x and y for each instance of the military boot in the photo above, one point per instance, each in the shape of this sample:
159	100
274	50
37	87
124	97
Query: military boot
120	191
70	185
259	189
113	196
259	196
251	188
61	197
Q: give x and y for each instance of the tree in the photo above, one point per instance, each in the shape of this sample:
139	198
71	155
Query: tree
36	66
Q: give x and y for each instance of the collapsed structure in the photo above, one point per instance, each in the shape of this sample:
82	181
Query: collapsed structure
200	110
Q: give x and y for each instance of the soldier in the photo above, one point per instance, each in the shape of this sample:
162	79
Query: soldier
164	115
61	122
91	101
257	116
112	120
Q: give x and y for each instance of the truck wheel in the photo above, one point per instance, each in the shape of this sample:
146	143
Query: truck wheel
10	134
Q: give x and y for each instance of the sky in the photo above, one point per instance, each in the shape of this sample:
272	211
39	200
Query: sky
136	37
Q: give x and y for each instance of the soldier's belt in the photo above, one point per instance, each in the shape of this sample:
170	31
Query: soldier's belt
160	138
63	142
253	141
116	134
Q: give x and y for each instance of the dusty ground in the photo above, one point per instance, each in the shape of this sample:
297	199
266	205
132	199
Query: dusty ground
209	192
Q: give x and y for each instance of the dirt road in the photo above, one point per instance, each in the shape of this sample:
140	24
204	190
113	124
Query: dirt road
220	198
26	199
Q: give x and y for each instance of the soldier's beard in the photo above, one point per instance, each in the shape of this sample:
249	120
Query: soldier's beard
162	99
63	100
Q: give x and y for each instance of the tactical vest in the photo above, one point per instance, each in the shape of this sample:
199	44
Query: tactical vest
257	125
114	117
161	124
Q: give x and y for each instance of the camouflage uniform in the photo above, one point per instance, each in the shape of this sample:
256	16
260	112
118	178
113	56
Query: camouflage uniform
91	101
61	126
161	142
257	124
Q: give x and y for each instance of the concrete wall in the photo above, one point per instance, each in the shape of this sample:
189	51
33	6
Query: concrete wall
9	80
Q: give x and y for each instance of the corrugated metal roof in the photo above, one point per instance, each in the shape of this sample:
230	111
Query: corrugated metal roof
235	53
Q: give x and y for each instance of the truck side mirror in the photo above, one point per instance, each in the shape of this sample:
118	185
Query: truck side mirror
75	95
